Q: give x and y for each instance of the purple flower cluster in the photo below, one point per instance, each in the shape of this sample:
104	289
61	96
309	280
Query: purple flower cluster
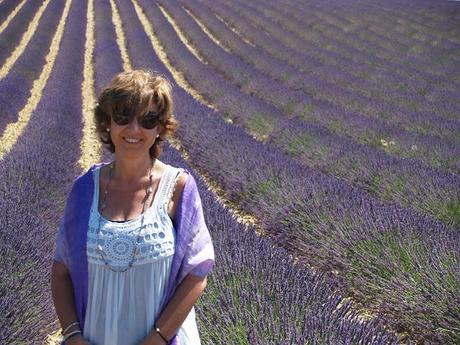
35	177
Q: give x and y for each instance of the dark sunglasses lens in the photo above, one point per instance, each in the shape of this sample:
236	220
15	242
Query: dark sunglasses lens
149	120
120	119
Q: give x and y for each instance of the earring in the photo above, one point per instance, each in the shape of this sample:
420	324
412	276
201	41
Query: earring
107	129
157	136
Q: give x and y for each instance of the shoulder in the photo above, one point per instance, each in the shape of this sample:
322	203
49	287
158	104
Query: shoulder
182	180
84	182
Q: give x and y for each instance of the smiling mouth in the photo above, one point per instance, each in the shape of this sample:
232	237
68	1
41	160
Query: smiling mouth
132	140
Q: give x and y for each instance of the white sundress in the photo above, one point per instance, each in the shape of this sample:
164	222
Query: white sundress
122	307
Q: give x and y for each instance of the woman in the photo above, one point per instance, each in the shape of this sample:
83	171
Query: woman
133	250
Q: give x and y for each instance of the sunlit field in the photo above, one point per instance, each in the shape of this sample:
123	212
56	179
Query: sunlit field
324	137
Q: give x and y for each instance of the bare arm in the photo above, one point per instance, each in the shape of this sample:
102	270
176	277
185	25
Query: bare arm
172	317
62	293
186	294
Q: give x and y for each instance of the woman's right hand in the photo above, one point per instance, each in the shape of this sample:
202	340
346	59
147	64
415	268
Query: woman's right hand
77	340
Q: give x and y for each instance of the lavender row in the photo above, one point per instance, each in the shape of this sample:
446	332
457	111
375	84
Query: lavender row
255	177
253	279
36	175
332	25
107	58
265	267
15	87
423	23
389	78
378	37
360	128
405	182
411	120
12	34
6	8
347	52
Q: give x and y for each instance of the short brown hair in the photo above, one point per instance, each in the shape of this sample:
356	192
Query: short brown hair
131	92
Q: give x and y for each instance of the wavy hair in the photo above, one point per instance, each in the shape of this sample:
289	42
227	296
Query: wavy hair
130	93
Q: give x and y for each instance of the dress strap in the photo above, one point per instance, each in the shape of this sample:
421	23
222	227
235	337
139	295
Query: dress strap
167	185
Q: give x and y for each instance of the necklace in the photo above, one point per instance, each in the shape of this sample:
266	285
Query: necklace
120	245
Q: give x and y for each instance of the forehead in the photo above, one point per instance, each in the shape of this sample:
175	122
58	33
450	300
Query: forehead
125	108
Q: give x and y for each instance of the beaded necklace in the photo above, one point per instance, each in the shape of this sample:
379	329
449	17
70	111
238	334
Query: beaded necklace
121	239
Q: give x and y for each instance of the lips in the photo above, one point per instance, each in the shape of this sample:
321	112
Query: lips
132	140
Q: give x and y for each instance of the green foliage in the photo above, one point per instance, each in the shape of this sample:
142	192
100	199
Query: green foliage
261	124
451	212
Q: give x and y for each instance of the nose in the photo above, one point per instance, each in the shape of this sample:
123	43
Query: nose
134	125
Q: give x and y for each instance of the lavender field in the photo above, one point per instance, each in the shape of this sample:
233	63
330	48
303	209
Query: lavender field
324	137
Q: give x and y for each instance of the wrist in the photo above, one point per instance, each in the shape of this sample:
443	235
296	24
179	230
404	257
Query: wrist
159	336
75	339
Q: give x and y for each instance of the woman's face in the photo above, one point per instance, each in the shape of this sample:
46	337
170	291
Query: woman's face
132	140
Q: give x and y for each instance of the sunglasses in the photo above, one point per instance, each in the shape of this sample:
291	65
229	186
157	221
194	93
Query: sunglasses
147	121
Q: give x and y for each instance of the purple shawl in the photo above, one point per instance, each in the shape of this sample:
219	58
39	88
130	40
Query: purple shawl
194	252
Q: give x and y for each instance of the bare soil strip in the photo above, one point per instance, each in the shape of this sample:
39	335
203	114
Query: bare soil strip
206	31
90	146
121	40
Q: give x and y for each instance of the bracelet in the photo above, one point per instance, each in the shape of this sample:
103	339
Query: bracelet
70	335
161	335
69	326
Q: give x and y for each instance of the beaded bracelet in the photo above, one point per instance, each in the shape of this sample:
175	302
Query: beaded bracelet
69	326
71	334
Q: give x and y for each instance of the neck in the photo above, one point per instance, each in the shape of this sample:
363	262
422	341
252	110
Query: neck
131	170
